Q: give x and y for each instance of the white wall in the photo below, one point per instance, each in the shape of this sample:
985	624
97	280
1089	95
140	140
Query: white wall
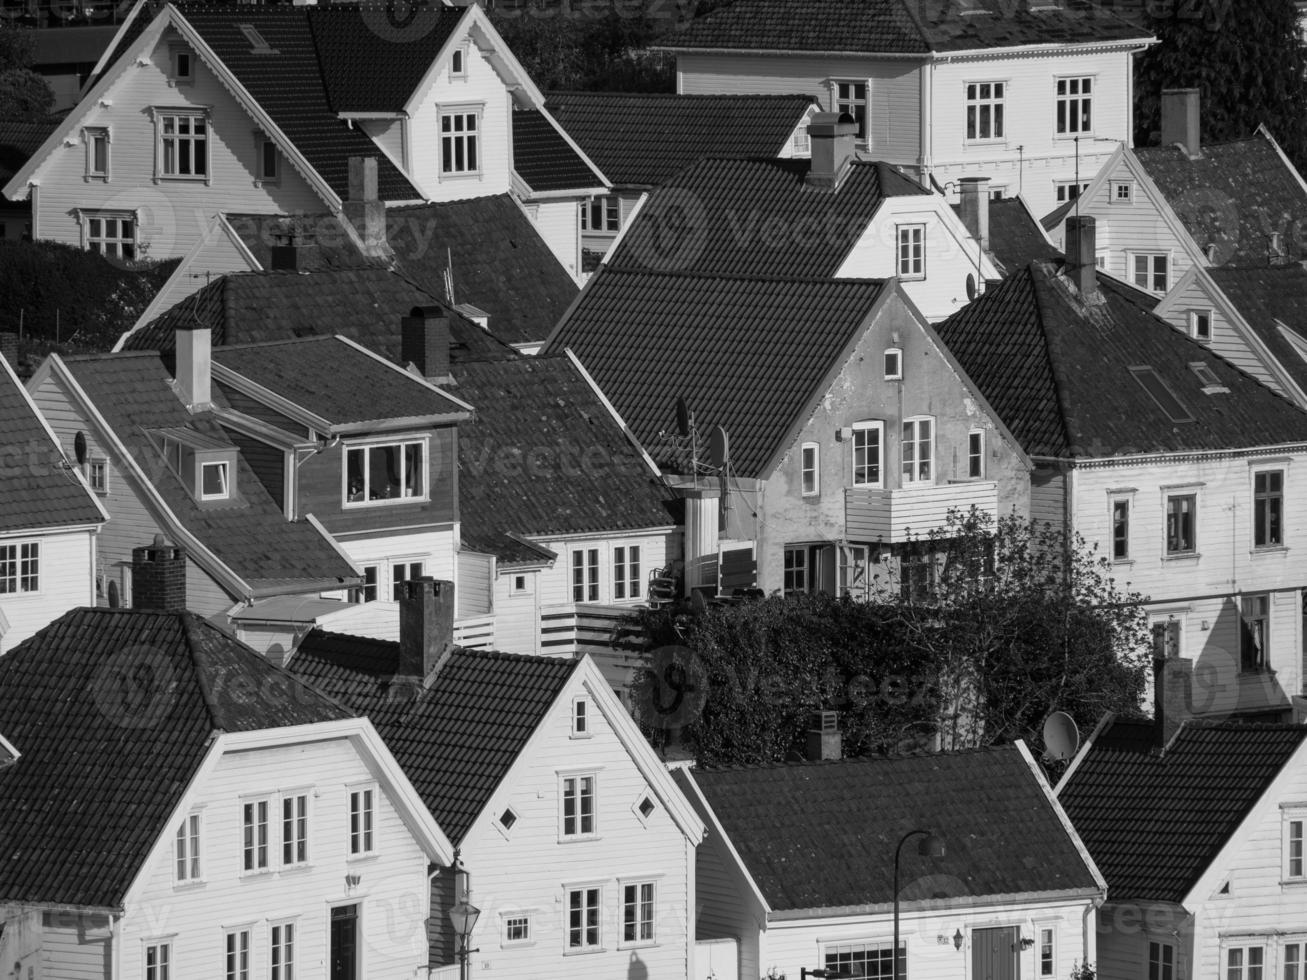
517	612
67	580
559	224
435	549
555	582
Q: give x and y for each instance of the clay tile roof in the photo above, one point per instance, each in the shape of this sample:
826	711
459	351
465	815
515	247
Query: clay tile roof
1154	821
544	159
97	777
823	835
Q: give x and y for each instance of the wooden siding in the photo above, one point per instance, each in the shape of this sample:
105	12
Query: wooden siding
76	947
434	547
255	409
217	256
1226	341
726	907
267	462
66	581
475	595
559	225
389	135
895	516
555	582
517	614
173	214
1048	496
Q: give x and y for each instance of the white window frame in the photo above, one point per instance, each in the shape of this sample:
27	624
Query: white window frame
1067	130
848	103
14	580
1113	499
1045	966
283	934
573	780
507	918
640	799
910	251
1168	494
110	245
100	465
1293	847
224	467
506	829
627	569
361	829
254	843
374	586
849	558
976	454
458	62
1062	189
366	447
300	857
90	136
405	562
1246	600
608	208
1121	192
639	884
912	476
161	115
1195	319
1298	943
188	850
590	567
795	567
995	100
241	969
262	146
864	945
893	363
584	889
161	969
810	469
176	53
1158	968
466	137
517	584
1283	496
581	717
1245	947
1151	274
868	425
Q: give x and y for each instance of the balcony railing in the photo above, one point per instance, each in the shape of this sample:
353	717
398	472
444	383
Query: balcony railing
581	627
476	633
896	516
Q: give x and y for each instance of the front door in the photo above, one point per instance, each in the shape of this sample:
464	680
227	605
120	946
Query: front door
995	954
344	942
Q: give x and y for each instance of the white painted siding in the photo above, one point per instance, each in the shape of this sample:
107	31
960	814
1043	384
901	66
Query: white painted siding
517	614
555	583
475	596
67	580
435	549
726	906
1226	340
388	134
559	224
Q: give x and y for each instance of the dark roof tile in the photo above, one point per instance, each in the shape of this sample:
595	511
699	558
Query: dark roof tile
544	159
1273	302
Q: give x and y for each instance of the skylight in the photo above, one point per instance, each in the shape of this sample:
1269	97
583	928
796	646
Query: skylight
1152	383
257	43
1211	383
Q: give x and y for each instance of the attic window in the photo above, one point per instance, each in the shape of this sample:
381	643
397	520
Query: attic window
257	43
1211	383
458	64
647	807
507	819
1152	383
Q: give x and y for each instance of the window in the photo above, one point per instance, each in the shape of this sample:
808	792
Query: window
1122	192
187	852
1148	270
975	454
268	168
181	63
458	143
238	955
872	960
851	97
254	824
985	110
646	807
867	443
519	584
360	820
1255	615
796	570
583	918
517	929
638	912
508	818
158	961
1244	963
295	829
213	481
368	591
1160	392
855	560
458	64
1268	509
1293	852
1292	960
800	144
601	214
97	475
183	145
1181	523
20	568
893	364
578	806
1161	961
1200	325
918	450
1047	959
912	251
1121	529
809	473
1069	190
384	473
112	235
1074	106
97	151
581	717
585	575
1168	634
401	572
281	952
916	574
626	572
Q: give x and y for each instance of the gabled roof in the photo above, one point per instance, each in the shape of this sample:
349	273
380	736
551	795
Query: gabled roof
746	353
132	392
544	159
38	489
19	139
1015	236
1043	359
1273	302
899	27
1154	821
100	773
459	740
822	835
640	139
539	421
1233	196
756	217
363	304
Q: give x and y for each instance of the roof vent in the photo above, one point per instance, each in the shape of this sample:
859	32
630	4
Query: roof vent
257	43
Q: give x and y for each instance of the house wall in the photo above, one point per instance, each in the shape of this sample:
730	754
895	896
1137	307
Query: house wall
517	613
554	583
475	595
434	547
67	580
930	386
559	224
726	907
530	869
1125	931
173	214
389	135
392	891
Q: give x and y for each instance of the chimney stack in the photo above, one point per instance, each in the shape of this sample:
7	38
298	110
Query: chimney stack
426	627
975	208
424	341
832	136
1180	122
1172	697
364	208
1081	255
194	348
159	577
824	741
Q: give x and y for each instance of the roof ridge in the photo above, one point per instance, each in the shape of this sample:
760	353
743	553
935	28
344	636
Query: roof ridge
457	652
189	623
279	342
1052	347
746	277
862	759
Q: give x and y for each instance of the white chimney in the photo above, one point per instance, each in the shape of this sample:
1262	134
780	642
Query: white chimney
975	208
831	137
1180	121
194	347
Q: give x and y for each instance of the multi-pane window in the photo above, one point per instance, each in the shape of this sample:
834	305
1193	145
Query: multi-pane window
97	151
809	475
458	143
113	235
238	955
580	717
585	575
361	812
638	912
917	574
1293	852
281	951
187	852
871	960
214	481
1120	529
254	830
1200	325
401	572
1244	963
985	110
1255	615
855	560
918	450
1122	192
1292	960
1181	524
1047	959
578	806
866	454
295	829
368	590
517	929
1148	270
1075	110
626	572
1069	190
20	568
158	961
975	454
97	475
1161	961
796	570
912	251
601	214
183	145
851	98
583	906
1268	508
384	472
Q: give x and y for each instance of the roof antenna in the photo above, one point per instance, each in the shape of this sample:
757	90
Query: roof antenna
449	276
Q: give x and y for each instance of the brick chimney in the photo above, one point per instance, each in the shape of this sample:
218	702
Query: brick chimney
1081	254
1180	122
9	349
159	577
194	348
292	253
832	136
975	208
426	627
424	341
363	207
824	740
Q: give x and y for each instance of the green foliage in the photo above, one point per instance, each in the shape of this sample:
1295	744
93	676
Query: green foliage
1247	59
1083	971
23	93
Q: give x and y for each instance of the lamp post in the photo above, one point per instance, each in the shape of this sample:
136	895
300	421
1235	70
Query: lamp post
930	846
464	916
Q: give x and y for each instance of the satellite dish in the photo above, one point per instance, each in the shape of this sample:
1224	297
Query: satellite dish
1061	736
79	448
682	417
719	448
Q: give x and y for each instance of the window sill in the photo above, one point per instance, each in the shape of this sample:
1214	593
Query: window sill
1071	136
919	277
383	502
638	944
188	886
581	736
996	141
1185	556
368	858
1270	549
519	944
1123	561
96	178
580	839
294	869
462	175
589	950
1293	883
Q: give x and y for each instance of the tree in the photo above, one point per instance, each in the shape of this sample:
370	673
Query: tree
1245	57
23	93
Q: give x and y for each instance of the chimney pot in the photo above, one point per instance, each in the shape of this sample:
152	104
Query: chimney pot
159	577
1081	254
194	349
426	627
424	341
1180	120
975	208
824	740
832	137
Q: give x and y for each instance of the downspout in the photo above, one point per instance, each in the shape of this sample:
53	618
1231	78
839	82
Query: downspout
927	120
116	954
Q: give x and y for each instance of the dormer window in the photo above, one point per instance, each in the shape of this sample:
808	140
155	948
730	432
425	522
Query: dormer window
215	481
204	464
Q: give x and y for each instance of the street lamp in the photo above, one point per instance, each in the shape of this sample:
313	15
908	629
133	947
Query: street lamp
464	917
930	846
